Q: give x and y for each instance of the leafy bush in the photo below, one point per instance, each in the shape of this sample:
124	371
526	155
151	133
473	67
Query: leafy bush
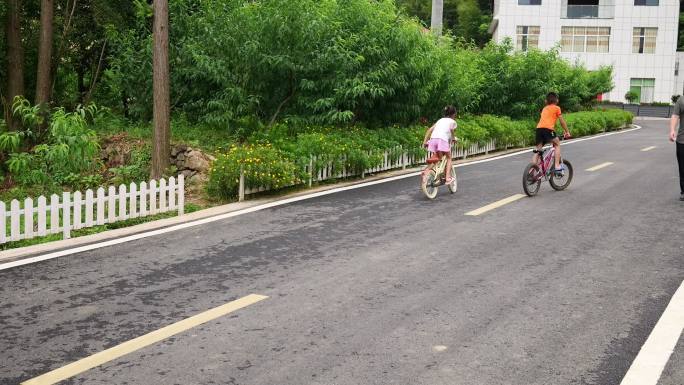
68	148
262	165
332	63
632	97
279	156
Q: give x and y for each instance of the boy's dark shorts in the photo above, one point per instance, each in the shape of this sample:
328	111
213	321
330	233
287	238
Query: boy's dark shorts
544	136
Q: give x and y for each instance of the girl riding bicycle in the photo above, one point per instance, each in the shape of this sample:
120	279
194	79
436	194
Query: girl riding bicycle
439	137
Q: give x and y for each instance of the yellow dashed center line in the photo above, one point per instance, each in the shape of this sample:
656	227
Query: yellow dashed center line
600	166
127	347
495	205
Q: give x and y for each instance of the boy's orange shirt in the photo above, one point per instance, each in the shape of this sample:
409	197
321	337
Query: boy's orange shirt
549	116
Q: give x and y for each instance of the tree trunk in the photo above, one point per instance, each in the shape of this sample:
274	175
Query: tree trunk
162	98
437	16
44	79
15	58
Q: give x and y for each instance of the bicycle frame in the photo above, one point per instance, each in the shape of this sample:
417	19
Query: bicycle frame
547	159
440	171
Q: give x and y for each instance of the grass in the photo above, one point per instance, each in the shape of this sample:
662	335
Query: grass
208	138
189	208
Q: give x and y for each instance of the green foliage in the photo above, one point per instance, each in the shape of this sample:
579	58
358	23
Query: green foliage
137	170
632	97
333	63
69	149
262	166
278	156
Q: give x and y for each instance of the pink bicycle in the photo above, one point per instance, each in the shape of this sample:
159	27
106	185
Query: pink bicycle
544	170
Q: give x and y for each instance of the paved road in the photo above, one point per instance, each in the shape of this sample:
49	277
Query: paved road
379	286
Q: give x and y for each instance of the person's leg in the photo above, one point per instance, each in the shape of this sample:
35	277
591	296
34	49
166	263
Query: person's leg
448	167
556	146
680	160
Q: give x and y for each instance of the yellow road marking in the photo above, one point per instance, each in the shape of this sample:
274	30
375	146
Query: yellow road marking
648	148
600	166
495	205
127	347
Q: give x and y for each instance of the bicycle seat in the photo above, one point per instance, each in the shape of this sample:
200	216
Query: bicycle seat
433	159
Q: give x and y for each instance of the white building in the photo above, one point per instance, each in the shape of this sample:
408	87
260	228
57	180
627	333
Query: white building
637	37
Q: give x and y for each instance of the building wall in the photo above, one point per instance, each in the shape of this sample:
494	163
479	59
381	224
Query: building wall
626	65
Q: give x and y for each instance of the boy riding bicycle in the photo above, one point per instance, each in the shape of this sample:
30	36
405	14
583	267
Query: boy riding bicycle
546	129
441	135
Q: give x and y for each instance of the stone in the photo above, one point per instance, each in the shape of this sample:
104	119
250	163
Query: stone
181	156
198	179
187	173
197	161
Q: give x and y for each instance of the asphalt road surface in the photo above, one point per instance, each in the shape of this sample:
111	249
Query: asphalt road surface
378	285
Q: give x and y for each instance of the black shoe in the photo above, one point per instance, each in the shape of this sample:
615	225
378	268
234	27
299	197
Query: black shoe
681	197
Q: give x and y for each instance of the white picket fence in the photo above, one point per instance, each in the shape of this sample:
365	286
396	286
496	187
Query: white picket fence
389	163
76	210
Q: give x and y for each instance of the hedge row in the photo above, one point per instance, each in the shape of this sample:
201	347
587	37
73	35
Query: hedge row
278	157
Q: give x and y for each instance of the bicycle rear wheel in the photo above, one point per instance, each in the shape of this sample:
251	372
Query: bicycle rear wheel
428	185
532	178
560	183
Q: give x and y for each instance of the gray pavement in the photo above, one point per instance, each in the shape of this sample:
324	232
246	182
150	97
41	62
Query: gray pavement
379	286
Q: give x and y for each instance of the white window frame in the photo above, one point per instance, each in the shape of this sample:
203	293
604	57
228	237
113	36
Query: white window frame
587	39
640	38
526	37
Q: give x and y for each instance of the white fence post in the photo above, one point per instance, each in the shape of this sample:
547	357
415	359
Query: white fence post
54	214
162	196
78	201
181	194
28	218
111	205
133	203
14	220
241	186
66	215
172	193
42	220
89	208
153	197
3	218
100	207
143	199
122	203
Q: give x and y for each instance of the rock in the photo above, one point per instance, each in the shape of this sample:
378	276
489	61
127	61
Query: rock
181	156
174	152
181	148
197	161
187	173
210	158
198	179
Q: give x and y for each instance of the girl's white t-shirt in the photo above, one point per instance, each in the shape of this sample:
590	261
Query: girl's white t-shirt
443	129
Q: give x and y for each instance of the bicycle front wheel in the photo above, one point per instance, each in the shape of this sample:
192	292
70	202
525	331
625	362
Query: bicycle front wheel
427	184
532	178
562	181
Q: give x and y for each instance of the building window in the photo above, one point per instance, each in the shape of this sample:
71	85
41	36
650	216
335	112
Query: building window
585	39
644	40
530	2
653	3
527	37
644	88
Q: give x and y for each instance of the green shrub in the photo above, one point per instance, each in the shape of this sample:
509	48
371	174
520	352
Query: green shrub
262	165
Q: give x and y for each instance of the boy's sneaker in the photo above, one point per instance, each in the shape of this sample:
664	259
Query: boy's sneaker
681	197
559	172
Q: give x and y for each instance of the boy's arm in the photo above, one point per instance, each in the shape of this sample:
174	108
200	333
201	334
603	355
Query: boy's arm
564	125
